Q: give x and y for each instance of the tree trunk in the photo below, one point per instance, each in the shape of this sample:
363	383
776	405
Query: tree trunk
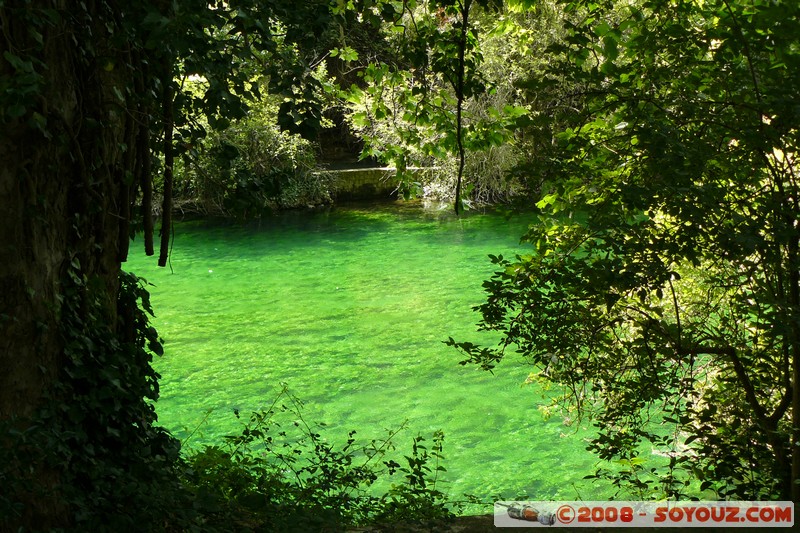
65	193
60	187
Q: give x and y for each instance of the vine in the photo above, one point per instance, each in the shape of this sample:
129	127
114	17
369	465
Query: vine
96	430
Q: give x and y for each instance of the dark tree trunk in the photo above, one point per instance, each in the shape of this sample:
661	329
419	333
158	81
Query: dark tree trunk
59	189
69	152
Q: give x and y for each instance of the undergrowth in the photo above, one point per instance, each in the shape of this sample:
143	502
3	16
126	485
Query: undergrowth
281	474
94	459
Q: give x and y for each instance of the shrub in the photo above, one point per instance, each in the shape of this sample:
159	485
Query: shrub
251	168
280	474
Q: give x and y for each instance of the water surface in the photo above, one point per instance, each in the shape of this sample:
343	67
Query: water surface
349	307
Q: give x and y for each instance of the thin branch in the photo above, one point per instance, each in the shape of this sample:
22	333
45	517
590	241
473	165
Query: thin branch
739	370
169	160
462	46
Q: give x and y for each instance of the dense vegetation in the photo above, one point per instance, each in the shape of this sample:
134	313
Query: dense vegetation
664	292
656	139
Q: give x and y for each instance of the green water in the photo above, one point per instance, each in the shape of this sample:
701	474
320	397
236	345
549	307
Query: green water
350	308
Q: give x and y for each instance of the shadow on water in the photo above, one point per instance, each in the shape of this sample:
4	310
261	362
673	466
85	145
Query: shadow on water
344	222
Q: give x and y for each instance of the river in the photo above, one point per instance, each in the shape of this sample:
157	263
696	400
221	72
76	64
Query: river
349	308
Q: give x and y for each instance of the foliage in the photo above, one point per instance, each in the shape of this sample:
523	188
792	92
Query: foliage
518	60
116	470
231	49
434	108
417	497
250	168
663	289
281	474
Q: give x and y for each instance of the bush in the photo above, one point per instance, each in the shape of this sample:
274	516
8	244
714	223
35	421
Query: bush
251	168
280	474
92	457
